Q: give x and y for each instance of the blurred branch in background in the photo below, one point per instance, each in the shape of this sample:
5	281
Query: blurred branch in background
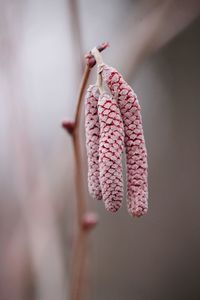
146	34
77	43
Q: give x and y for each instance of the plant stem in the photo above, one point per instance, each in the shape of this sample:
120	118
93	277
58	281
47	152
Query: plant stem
80	96
84	223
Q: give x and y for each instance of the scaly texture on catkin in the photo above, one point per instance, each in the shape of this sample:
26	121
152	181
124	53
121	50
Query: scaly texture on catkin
136	154
92	141
111	146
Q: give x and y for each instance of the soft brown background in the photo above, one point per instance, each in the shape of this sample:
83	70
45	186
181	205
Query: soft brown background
152	258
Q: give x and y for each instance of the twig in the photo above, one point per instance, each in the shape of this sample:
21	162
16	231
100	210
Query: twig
85	219
81	92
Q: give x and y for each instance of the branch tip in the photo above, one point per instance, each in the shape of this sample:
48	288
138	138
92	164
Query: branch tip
90	60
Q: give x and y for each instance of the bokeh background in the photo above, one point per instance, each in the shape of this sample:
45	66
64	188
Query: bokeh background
156	45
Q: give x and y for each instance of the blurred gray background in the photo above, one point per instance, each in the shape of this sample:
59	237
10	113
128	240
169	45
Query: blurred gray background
156	45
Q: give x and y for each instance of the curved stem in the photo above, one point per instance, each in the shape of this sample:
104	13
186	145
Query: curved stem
80	96
84	220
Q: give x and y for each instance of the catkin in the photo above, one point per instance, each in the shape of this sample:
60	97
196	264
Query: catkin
136	155
111	146
92	141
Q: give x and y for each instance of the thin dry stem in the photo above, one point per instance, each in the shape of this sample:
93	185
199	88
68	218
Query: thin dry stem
80	252
80	96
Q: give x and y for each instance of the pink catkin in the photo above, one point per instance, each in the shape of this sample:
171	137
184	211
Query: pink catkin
136	155
111	146
92	141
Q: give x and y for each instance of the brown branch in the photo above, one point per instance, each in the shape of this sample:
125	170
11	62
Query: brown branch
85	219
80	96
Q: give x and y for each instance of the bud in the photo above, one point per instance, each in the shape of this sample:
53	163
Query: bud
89	221
69	126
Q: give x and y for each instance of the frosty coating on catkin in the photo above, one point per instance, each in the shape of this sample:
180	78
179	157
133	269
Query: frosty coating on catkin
92	141
136	155
111	146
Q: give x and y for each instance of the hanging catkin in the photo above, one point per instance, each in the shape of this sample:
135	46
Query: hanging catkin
92	141
110	152
136	155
